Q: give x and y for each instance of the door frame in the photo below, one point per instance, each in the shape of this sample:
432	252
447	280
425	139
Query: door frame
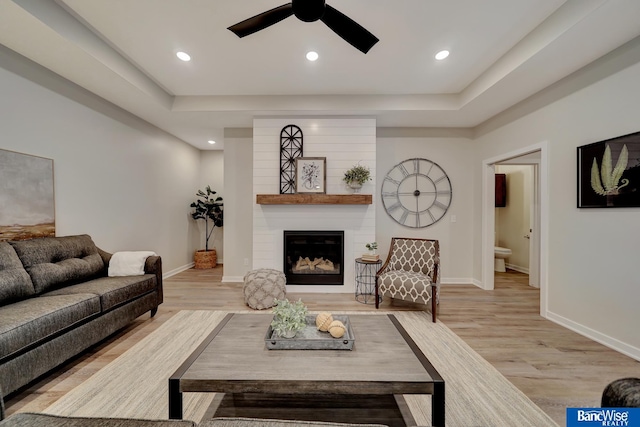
488	217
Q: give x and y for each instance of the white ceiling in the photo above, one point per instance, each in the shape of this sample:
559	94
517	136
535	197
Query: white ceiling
502	51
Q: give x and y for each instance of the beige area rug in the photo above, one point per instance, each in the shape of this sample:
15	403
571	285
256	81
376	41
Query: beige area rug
136	384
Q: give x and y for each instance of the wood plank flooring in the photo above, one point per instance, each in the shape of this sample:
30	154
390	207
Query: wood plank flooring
555	367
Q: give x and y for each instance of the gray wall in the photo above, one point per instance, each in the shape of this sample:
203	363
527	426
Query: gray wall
117	178
592	257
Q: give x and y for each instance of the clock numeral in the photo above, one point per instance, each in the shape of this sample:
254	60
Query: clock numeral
395	206
390	195
417	221
440	205
440	179
388	178
403	170
430	168
433	218
416	166
404	216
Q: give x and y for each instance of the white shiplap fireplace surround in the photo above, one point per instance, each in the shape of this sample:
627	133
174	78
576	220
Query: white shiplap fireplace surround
344	142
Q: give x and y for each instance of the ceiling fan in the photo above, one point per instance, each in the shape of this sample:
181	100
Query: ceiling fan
310	11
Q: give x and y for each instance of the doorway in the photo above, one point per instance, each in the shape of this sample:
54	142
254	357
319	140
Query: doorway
516	220
533	155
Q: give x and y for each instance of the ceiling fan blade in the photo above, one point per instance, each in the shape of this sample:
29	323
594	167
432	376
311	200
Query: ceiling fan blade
348	29
262	21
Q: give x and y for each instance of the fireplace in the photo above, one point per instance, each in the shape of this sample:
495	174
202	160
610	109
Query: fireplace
314	257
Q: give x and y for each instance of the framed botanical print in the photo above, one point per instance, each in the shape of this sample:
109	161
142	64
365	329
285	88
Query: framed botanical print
311	175
609	173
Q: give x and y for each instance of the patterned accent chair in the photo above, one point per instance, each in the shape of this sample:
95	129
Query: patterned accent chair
411	272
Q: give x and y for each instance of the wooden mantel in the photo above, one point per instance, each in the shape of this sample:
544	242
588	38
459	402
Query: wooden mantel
313	199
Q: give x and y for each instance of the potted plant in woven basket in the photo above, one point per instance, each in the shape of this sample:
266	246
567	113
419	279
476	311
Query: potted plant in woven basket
209	208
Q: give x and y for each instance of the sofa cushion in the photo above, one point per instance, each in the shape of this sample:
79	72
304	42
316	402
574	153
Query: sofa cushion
112	290
25	322
43	420
54	262
15	283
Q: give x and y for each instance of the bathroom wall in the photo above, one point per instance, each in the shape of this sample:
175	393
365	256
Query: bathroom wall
513	220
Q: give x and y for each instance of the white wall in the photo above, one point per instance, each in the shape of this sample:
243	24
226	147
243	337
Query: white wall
344	142
212	174
238	204
593	284
453	153
116	178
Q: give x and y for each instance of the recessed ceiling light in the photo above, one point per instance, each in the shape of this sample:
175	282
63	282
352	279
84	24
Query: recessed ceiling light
312	56
442	55
184	56
211	141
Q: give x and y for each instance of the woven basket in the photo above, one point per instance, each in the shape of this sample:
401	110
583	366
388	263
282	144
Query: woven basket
205	259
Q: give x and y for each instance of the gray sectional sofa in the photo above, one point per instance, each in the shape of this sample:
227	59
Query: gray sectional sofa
56	300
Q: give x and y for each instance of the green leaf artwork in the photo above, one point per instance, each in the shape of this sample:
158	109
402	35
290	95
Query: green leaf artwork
606	181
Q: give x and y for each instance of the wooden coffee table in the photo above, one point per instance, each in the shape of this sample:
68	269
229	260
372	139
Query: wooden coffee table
384	363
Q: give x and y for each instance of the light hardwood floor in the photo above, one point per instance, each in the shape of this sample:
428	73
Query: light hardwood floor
555	367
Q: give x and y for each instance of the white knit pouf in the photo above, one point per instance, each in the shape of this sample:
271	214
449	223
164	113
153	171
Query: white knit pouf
263	286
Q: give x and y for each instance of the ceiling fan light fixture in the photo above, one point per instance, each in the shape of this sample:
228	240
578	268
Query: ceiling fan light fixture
312	56
442	55
183	56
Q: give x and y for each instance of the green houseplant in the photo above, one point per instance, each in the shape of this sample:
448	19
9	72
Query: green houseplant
288	318
356	176
209	208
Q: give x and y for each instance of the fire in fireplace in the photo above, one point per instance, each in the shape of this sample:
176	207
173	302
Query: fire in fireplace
314	257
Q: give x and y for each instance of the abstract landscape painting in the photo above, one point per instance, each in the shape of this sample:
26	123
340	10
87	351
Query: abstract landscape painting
27	207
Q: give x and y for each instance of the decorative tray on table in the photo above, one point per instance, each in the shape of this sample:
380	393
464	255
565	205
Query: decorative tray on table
310	338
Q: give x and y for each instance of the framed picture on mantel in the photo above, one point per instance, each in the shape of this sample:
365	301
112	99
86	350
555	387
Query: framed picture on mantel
311	175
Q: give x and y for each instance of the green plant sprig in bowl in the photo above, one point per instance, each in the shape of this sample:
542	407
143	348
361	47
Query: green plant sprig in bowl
357	173
288	317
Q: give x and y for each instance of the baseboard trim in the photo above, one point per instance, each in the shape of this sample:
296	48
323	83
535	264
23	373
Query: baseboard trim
456	281
177	270
613	343
232	279
517	268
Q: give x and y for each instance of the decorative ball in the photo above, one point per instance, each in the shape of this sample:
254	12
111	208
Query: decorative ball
337	329
323	320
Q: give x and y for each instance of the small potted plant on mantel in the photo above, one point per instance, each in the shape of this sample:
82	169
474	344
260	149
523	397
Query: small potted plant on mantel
288	318
356	177
209	208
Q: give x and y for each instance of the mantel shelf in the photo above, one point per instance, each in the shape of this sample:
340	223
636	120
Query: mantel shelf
313	199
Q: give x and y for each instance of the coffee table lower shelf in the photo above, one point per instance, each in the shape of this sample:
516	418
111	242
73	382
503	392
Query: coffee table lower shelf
387	410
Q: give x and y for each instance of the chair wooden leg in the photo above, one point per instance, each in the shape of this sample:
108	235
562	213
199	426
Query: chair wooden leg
434	292
376	296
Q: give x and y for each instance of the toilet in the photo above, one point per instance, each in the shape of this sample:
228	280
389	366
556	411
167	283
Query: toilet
500	255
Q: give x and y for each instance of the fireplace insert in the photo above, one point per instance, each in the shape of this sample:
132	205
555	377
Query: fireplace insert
314	257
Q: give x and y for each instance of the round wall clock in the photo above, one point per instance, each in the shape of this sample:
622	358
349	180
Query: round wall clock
416	193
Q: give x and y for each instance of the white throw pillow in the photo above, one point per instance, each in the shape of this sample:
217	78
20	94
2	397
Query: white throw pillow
128	263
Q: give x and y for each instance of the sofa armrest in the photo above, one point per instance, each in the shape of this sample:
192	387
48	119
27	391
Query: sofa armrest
153	265
106	257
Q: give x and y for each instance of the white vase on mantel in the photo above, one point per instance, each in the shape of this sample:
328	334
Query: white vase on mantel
355	186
